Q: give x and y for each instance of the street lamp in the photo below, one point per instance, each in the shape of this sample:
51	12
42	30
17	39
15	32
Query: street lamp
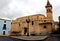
28	21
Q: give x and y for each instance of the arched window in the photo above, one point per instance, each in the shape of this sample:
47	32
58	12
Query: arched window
4	27
49	10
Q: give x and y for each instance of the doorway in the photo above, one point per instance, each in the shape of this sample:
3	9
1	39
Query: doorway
25	31
3	32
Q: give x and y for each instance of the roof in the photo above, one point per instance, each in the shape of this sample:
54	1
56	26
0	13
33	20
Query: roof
4	19
31	15
48	4
38	15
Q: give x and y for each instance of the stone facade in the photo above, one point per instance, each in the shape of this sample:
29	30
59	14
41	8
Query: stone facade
35	24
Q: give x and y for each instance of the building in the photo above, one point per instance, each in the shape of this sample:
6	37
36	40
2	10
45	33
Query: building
56	25
5	27
35	24
59	21
59	25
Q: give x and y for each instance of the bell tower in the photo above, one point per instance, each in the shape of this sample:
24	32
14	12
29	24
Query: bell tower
49	10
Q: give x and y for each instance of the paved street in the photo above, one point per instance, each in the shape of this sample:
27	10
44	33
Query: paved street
54	37
9	39
13	39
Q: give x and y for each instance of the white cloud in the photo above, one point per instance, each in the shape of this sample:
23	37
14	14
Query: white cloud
18	8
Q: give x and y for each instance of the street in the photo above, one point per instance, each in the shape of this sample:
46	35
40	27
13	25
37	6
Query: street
53	37
4	38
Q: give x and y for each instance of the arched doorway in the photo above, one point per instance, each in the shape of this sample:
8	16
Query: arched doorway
25	31
3	32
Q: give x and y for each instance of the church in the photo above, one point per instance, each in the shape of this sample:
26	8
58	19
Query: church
37	24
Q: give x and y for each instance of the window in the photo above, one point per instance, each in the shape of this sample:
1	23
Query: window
44	20
49	10
25	30
5	21
45	27
4	27
32	22
19	24
11	23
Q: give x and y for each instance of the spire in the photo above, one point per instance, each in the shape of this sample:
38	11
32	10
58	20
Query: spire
48	4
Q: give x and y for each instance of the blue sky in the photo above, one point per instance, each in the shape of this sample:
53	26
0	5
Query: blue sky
18	8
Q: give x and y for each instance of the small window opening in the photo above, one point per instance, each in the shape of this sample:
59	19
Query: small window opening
4	27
